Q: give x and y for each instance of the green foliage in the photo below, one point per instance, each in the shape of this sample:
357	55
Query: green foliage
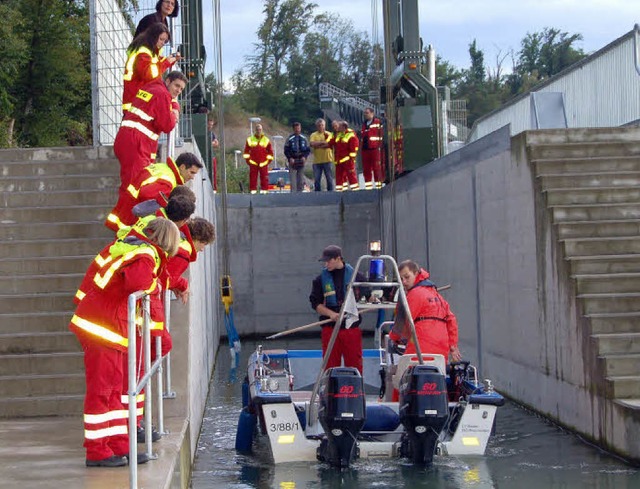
46	79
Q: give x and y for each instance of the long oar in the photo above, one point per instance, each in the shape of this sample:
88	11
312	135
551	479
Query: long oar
299	328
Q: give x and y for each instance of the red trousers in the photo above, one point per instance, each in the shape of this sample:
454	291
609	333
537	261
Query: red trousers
105	420
371	167
346	177
263	171
134	151
348	346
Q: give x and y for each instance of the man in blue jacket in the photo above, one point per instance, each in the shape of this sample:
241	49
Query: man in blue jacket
297	149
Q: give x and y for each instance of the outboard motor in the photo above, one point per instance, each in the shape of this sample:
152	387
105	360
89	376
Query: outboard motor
423	411
342	414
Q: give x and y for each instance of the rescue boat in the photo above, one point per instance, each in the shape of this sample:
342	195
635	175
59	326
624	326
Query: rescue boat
341	416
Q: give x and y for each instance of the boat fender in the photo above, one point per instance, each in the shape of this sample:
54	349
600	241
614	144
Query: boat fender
246	429
245	392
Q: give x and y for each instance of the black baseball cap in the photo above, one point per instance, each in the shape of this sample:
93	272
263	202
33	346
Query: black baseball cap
331	251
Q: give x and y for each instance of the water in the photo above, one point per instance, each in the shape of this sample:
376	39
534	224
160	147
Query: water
527	452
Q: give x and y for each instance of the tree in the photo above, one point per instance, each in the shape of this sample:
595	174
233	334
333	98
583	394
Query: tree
542	55
51	92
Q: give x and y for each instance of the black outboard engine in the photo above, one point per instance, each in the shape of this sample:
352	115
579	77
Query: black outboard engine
342	414
423	411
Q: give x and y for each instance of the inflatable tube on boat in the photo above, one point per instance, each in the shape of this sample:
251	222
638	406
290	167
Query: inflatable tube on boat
381	418
245	392
246	428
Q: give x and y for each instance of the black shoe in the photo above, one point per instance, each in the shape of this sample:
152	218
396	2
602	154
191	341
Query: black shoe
143	458
113	461
155	436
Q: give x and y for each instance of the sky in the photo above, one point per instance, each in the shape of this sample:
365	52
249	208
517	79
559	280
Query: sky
450	25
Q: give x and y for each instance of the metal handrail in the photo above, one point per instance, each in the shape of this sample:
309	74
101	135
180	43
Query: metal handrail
136	387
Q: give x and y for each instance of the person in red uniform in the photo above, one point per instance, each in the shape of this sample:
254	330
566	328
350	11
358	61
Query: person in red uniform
345	150
327	296
371	145
155	181
144	63
100	323
436	326
154	110
258	153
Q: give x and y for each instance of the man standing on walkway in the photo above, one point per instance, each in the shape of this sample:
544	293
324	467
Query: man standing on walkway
371	145
296	150
258	153
322	156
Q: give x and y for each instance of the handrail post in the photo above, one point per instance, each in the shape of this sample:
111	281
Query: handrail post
160	408
148	403
168	394
133	446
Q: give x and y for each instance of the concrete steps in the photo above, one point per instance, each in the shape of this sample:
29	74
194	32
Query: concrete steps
60	198
40	342
590	179
32	406
53	203
593	229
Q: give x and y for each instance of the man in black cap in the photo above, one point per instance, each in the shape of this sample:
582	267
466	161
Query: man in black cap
327	296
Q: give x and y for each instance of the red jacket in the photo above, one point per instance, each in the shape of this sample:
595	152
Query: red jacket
345	147
152	182
101	317
258	151
142	67
179	263
371	135
436	326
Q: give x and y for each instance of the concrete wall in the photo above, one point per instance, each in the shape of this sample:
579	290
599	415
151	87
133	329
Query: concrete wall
274	245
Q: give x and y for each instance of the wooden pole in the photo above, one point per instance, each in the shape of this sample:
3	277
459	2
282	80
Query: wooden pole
299	328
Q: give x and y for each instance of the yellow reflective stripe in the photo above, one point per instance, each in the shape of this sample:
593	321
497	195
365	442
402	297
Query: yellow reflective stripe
124	399
126	106
374	126
105	432
269	157
103	418
101	261
375	138
133	191
155	72
128	70
264	163
80	295
245	155
156	325
346	158
140	113
103	280
99	331
152	156
140	127
112	218
353	155
185	245
354	186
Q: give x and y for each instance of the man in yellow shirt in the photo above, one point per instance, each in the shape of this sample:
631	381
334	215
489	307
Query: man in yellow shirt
322	156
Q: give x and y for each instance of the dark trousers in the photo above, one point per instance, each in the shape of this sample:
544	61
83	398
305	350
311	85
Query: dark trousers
318	170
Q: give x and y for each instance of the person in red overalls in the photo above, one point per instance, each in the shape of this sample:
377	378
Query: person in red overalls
436	326
155	181
371	146
100	323
345	150
144	63
258	153
153	110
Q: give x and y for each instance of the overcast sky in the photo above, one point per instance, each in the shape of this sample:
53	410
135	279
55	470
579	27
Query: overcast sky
451	25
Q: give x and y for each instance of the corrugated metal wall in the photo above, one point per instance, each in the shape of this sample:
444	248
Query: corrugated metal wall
601	91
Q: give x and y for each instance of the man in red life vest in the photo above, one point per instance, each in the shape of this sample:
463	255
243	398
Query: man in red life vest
345	149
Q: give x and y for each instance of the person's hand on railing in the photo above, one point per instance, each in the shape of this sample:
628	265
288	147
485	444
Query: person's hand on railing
172	58
183	295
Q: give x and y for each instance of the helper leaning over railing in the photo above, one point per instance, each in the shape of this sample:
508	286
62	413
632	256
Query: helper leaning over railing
100	323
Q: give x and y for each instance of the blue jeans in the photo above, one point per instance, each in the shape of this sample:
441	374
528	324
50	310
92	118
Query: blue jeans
318	170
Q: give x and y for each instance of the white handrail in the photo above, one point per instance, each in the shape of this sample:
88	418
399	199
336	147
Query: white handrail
136	387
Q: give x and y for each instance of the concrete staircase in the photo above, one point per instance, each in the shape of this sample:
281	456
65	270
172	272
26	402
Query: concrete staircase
54	202
591	178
